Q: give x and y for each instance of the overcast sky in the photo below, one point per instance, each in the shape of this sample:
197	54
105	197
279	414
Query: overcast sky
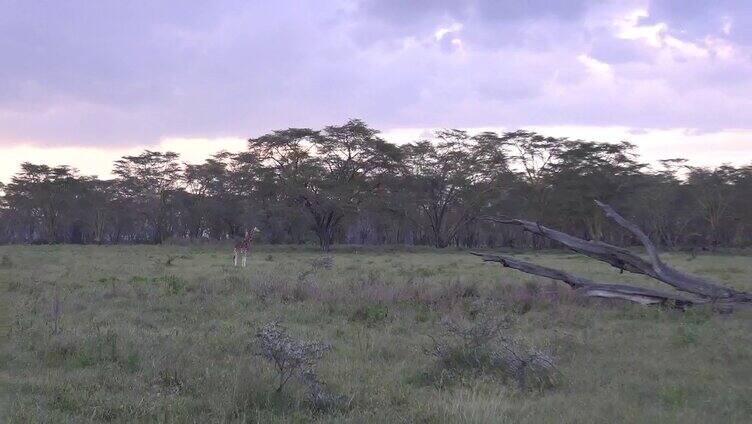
82	82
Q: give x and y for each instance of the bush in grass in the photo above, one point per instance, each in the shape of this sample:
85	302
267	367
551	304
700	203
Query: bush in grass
483	348
293	358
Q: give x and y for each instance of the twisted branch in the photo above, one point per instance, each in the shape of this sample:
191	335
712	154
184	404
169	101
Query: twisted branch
704	290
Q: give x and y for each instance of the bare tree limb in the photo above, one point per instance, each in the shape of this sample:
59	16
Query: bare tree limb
590	288
707	290
662	272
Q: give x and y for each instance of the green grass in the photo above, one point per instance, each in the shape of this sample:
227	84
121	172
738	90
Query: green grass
140	340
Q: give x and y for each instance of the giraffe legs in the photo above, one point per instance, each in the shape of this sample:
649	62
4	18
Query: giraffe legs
245	258
236	259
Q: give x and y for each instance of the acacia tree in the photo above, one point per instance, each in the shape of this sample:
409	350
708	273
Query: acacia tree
584	171
286	154
356	163
449	180
151	180
535	156
329	173
43	198
741	206
712	190
664	206
211	202
98	209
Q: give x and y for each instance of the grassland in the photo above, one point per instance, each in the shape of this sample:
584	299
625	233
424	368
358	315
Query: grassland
165	334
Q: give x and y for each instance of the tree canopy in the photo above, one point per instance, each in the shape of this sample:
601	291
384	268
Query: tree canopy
346	184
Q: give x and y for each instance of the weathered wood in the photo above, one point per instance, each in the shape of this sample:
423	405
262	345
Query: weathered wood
704	289
662	272
590	288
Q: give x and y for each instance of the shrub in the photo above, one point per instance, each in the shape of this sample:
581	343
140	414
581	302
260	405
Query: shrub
483	348
290	357
296	358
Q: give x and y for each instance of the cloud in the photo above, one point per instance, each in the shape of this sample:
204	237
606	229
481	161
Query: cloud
122	74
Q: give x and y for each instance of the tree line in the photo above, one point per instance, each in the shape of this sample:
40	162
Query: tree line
345	184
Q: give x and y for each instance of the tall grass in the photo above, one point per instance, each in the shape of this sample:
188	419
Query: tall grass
136	337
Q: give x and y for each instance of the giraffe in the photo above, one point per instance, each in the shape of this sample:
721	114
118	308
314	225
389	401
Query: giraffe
242	247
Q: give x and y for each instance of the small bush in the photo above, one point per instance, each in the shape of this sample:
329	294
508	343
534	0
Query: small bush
482	348
290	357
296	358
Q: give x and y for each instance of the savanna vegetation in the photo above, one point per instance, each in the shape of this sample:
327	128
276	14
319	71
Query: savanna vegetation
411	334
121	302
346	185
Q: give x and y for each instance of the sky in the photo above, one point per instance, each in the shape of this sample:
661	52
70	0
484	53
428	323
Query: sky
85	82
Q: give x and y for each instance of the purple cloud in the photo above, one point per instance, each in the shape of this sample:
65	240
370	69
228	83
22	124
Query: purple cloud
127	73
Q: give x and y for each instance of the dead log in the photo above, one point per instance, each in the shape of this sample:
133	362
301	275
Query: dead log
702	289
590	288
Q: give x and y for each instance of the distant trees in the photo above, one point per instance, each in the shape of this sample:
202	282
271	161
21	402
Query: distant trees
447	182
149	184
44	200
327	174
345	184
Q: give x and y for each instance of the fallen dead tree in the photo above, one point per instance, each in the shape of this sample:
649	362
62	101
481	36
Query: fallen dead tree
699	290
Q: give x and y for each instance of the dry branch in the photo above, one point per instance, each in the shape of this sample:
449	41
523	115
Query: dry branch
705	290
594	289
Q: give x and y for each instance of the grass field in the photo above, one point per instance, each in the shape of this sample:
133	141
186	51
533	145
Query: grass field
166	334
